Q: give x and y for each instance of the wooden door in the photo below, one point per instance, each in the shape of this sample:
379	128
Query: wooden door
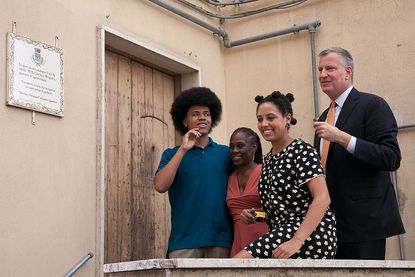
138	127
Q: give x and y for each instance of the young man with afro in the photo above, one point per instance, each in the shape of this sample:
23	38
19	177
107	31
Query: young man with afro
195	175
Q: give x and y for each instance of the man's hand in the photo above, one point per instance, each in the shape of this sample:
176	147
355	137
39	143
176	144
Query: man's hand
326	131
331	133
189	139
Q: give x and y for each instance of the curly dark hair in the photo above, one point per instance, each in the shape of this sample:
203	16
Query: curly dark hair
254	138
200	96
281	101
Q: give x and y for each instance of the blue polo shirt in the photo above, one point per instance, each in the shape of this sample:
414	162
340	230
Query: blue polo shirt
199	215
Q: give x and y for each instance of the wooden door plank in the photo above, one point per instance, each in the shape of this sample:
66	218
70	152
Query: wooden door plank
143	233
169	140
158	146
137	108
147	173
111	252
124	162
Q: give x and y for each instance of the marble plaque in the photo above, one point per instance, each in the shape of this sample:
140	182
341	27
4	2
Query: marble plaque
34	75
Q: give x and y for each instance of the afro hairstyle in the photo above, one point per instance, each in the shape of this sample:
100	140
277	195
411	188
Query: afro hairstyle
196	96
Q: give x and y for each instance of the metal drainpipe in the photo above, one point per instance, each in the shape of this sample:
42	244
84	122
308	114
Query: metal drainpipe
216	30
225	36
313	70
406	126
311	27
79	264
293	29
394	178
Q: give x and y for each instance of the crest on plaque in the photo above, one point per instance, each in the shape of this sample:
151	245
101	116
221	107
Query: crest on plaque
37	56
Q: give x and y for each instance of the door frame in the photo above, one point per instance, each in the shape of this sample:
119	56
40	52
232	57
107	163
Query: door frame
186	73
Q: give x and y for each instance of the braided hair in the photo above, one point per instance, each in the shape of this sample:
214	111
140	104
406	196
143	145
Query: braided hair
281	101
254	139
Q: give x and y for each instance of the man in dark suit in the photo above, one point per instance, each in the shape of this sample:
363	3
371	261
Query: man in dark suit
362	150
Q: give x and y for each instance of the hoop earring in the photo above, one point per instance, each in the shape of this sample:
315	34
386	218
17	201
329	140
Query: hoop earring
287	125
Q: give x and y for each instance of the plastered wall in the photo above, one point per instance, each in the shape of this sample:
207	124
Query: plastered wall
48	180
379	36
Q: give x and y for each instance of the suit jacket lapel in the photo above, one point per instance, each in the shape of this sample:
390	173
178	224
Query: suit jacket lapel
347	108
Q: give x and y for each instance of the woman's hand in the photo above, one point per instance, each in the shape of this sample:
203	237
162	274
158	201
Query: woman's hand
287	249
247	217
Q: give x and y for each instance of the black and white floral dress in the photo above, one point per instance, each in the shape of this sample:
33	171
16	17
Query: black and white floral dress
285	197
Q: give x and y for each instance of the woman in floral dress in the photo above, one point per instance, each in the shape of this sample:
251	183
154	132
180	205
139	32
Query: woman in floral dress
292	189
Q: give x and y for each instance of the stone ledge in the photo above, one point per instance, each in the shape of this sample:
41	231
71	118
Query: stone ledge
217	264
